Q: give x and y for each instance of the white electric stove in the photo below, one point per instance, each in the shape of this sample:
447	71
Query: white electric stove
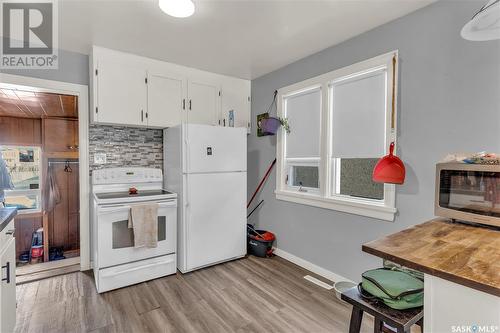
117	263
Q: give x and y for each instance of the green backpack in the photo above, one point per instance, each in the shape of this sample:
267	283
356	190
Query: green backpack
398	289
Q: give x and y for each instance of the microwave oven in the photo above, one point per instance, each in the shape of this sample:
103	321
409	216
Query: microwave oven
468	192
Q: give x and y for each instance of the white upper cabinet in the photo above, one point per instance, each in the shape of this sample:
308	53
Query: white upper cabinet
204	103
235	97
136	91
121	93
166	99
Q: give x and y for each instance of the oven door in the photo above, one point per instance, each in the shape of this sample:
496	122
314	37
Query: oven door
115	241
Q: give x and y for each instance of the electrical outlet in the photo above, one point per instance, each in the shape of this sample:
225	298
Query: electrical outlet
100	158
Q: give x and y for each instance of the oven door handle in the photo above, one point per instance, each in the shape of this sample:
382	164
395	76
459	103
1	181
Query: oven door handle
133	269
113	209
117	208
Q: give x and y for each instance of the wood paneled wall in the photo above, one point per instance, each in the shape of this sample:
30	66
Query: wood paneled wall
20	131
64	219
26	224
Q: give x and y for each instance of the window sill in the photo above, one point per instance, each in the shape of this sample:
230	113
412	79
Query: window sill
347	206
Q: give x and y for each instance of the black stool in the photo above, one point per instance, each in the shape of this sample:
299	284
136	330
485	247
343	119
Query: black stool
402	320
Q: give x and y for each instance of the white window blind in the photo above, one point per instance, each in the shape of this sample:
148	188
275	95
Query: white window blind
358	115
303	111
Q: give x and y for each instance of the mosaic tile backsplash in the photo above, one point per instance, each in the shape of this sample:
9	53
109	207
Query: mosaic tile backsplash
126	146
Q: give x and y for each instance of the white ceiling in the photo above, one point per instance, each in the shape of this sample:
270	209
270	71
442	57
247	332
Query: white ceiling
243	38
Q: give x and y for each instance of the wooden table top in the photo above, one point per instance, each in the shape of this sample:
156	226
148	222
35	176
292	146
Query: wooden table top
461	253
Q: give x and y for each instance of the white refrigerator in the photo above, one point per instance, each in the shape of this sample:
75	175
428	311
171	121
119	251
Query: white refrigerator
207	166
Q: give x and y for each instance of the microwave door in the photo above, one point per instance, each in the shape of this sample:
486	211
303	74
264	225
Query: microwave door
469	193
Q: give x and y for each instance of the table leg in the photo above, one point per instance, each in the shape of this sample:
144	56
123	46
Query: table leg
356	319
378	325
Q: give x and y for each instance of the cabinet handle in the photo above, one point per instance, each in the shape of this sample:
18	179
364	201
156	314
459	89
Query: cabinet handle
7	267
224	122
147	115
71	147
184	104
10	232
219	121
190	106
142	115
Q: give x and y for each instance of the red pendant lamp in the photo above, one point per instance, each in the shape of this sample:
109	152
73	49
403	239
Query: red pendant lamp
390	169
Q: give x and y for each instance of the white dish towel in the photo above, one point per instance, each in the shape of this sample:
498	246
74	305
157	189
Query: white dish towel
143	219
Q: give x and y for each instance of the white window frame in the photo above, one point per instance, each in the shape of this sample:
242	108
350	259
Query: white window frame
37	192
323	197
290	163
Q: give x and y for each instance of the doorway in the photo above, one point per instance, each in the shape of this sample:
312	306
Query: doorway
40	131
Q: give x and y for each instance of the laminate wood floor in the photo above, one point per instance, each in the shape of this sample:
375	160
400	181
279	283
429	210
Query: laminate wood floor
247	295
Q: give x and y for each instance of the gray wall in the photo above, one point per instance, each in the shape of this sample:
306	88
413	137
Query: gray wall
448	101
73	68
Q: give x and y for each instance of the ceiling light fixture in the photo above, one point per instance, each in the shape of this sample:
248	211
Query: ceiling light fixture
177	8
485	24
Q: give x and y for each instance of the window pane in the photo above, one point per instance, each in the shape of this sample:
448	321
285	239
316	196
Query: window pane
22	201
358	116
23	167
356	179
23	164
303	113
306	176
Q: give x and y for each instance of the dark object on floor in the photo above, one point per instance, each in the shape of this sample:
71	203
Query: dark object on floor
24	257
266	235
259	242
36	249
401	320
56	253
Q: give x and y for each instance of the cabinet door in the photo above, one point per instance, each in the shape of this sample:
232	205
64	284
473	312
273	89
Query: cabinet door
8	287
166	99
59	135
204	103
236	97
121	93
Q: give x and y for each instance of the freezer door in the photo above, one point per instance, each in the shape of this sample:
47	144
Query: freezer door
216	218
214	149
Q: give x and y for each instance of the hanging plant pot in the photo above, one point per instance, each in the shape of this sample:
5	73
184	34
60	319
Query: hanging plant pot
270	125
267	125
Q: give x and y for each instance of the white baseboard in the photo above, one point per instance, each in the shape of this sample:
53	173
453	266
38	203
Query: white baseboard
318	282
334	277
